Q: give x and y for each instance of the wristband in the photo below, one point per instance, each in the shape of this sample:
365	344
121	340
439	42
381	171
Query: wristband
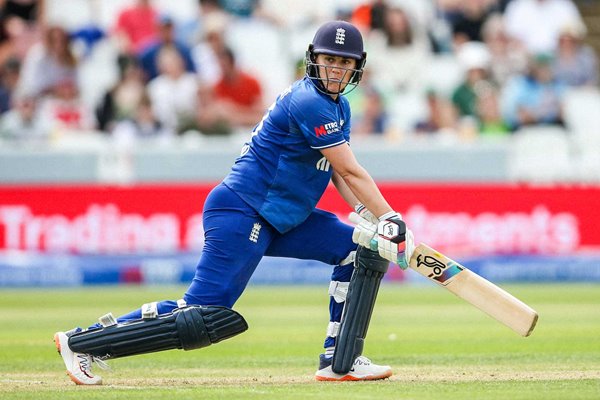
390	214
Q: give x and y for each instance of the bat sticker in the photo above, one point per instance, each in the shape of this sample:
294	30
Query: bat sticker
439	271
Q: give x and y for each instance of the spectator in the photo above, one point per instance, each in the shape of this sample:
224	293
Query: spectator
192	30
174	92
165	38
441	116
240	8
537	23
136	27
20	122
64	112
468	22
398	53
474	58
490	121
205	52
476	98
439	25
370	16
236	101
26	10
9	78
369	116
142	124
508	56
48	63
122	101
576	63
19	31
535	98
398	28
248	9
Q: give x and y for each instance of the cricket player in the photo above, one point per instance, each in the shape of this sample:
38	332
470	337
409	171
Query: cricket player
266	206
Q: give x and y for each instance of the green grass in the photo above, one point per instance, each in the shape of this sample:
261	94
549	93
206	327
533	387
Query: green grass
439	347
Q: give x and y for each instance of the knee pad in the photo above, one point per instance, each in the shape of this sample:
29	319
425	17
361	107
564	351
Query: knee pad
369	269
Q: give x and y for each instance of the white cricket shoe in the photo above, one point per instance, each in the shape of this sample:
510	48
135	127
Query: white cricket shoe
362	370
79	365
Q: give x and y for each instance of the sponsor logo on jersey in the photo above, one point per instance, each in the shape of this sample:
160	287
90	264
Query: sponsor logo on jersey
323	164
340	36
326	129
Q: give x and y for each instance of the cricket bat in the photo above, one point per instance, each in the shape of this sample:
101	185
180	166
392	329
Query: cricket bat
489	298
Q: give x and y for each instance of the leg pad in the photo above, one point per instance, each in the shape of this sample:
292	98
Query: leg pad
186	328
369	269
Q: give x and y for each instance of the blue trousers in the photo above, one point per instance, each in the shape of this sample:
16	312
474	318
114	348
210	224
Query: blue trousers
236	239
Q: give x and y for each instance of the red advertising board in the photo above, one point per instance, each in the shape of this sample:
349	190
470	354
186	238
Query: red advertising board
459	218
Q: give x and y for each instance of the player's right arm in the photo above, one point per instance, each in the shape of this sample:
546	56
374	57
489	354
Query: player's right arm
356	178
393	241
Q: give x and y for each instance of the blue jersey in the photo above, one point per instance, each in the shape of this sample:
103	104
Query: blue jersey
281	173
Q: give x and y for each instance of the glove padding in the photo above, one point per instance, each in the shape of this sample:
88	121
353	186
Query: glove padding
364	233
389	237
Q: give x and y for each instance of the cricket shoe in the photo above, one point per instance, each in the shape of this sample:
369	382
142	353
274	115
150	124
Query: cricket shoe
362	370
79	365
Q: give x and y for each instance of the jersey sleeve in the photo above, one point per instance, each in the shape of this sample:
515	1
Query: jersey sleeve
319	120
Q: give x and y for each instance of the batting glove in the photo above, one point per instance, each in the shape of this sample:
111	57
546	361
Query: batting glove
366	214
365	232
394	241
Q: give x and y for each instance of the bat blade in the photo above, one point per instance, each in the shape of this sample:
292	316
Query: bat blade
464	283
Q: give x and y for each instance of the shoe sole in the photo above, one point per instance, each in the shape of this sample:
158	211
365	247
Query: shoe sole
69	374
348	378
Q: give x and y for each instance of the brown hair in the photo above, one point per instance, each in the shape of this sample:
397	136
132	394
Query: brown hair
64	54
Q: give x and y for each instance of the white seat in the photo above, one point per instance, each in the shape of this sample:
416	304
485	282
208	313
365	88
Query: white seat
582	117
256	45
443	74
581	109
406	109
541	154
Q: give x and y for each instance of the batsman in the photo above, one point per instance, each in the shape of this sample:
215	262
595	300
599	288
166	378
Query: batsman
266	206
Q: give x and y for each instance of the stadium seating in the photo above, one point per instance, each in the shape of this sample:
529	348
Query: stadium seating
541	154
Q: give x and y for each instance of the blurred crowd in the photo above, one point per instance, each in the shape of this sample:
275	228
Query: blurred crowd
460	68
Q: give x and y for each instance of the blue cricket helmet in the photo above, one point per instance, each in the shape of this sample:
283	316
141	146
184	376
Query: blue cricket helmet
338	38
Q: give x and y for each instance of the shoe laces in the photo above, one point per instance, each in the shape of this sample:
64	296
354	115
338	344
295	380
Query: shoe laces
101	363
86	360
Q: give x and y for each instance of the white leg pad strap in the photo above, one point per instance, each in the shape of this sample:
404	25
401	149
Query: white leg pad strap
107	320
333	329
150	310
350	259
181	303
339	290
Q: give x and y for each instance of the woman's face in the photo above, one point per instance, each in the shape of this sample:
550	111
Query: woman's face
58	40
335	72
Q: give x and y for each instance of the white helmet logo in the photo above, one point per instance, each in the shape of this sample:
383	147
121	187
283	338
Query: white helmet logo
340	36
